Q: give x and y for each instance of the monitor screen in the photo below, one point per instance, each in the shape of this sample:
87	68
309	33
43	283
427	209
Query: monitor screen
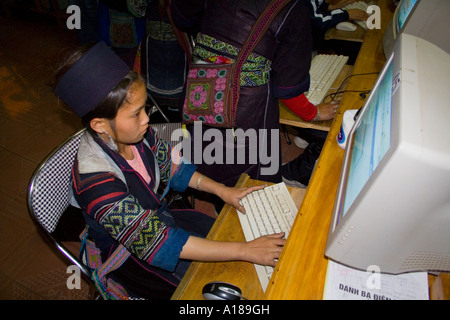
404	9
392	205
372	139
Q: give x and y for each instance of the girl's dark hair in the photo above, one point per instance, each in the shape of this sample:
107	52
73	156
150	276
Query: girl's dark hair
113	101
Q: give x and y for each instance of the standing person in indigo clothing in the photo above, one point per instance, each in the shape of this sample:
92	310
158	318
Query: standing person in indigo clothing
164	62
119	172
277	69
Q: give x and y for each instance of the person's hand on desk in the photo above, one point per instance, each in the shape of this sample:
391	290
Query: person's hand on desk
356	14
326	111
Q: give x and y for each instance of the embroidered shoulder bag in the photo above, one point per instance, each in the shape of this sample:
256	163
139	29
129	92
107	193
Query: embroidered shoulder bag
212	90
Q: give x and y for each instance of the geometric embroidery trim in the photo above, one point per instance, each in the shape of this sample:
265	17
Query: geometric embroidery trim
139	230
255	71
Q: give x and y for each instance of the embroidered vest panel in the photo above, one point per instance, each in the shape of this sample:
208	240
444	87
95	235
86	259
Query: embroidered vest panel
255	72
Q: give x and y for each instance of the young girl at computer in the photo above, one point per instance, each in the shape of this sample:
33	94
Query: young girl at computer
116	174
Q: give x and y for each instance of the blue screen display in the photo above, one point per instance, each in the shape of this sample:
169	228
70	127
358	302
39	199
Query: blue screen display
372	139
405	8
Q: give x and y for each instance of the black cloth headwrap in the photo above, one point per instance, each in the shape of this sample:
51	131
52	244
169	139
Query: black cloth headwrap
91	78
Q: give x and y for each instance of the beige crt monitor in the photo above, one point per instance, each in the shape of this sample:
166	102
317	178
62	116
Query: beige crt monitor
392	208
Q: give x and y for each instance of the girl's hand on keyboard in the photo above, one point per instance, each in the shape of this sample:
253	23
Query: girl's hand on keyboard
233	196
264	250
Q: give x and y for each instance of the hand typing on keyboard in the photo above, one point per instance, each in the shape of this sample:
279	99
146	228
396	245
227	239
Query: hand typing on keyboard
270	214
233	196
265	250
262	250
230	195
326	111
356	14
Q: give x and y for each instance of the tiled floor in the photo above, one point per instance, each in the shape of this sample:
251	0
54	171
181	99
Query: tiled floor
32	123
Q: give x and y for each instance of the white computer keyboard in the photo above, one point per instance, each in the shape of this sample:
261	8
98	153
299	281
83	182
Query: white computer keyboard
361	5
325	69
268	211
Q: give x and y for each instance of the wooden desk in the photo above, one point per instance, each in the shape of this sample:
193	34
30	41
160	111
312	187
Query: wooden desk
243	274
305	246
355	36
287	117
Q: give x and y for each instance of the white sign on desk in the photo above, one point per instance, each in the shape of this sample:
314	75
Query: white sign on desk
344	283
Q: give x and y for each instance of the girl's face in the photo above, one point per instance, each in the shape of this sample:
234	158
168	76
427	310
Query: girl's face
131	122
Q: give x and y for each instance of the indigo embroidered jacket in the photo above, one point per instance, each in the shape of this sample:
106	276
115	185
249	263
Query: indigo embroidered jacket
120	207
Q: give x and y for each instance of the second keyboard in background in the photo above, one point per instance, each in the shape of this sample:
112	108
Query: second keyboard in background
325	69
361	5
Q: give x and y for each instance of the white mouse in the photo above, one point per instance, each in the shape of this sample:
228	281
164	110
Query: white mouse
346	26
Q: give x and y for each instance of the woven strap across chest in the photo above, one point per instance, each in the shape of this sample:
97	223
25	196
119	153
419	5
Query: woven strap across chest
256	34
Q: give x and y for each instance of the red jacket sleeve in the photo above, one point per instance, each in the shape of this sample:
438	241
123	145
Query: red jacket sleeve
301	107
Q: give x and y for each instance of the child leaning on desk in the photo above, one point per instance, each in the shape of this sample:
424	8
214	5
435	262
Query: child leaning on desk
119	165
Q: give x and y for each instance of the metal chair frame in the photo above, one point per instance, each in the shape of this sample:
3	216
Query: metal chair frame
49	194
